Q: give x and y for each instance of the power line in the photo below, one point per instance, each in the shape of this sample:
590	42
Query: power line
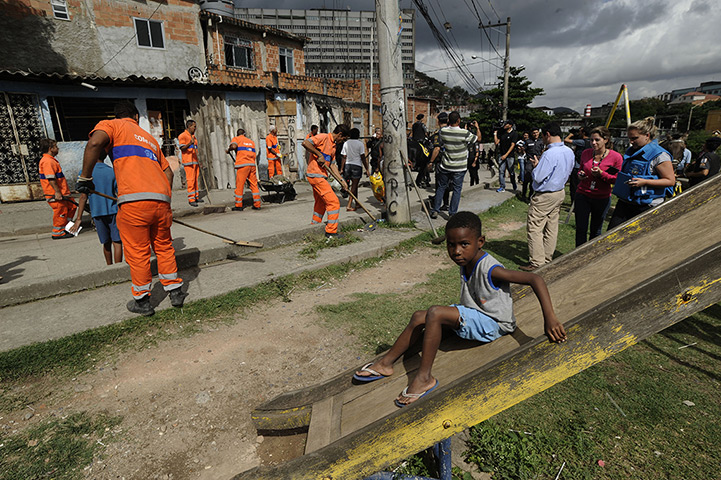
126	43
467	77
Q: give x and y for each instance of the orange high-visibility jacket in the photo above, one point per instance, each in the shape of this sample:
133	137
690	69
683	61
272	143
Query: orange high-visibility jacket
245	153
271	145
138	161
190	154
49	168
317	167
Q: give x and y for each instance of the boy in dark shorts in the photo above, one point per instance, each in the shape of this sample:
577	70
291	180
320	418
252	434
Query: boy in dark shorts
484	313
103	211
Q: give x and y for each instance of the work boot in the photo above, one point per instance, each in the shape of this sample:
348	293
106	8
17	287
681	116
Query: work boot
255	208
142	306
237	209
200	200
337	236
64	235
193	204
177	297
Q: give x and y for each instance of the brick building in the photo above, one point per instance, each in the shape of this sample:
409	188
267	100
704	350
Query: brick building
175	62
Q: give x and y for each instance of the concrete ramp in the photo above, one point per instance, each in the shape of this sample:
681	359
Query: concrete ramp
635	281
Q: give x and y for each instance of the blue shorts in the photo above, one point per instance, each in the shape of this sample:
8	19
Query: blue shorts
476	325
106	228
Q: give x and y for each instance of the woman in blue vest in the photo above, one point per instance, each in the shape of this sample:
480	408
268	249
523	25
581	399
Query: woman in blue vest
646	177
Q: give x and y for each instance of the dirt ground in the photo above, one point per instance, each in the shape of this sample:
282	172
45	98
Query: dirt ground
186	403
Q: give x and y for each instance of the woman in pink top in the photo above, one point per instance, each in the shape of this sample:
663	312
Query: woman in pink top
599	166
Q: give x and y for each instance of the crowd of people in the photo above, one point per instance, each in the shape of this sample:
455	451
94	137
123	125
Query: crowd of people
130	202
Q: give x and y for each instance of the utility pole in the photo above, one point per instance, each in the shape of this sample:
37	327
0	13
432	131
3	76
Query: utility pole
506	61
370	93
506	68
393	109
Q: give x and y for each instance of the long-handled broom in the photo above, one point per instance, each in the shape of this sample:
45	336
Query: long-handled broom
369	226
239	243
436	240
210	208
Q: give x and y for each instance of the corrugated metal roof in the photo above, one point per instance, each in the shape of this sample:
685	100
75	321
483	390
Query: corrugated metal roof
253	26
130	80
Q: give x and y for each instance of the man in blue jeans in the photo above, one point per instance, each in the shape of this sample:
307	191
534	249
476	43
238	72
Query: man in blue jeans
505	141
454	162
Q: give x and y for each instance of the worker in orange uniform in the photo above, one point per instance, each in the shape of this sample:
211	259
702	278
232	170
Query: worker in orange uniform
189	154
55	188
144	217
272	148
313	132
244	149
322	150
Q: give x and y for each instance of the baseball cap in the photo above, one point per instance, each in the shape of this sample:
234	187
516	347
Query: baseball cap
507	122
443	117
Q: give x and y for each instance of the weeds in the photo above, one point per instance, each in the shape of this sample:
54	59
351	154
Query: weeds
58	448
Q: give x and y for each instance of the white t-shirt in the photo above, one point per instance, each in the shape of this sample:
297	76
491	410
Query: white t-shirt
353	149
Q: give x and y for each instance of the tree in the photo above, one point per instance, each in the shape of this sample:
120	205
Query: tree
520	95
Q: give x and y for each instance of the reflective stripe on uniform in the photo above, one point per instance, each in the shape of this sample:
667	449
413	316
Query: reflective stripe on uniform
172	286
123	151
134	197
190	164
316	175
246	149
168	276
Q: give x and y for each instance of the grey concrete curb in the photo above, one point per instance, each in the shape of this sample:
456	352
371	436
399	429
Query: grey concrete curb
186	259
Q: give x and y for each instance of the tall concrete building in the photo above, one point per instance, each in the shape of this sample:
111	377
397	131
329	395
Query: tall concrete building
341	40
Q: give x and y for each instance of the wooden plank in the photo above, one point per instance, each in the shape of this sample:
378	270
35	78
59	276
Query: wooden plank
602	270
319	431
594	336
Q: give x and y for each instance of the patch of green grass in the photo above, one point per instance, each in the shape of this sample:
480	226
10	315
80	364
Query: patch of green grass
576	422
81	351
314	244
57	448
377	319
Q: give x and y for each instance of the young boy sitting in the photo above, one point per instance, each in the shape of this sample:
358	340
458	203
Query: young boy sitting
485	311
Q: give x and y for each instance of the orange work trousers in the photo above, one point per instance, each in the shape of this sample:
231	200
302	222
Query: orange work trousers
63	211
242	175
142	225
274	167
325	201
191	179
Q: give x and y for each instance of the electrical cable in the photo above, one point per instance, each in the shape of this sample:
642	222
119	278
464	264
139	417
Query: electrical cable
126	43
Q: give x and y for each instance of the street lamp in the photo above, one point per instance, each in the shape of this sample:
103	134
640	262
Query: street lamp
690	112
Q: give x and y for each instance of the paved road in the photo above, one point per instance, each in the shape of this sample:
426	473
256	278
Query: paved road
53	288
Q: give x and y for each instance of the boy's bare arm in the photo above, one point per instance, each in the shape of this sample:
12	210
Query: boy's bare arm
79	216
553	328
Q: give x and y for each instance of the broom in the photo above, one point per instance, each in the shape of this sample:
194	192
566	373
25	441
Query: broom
210	208
239	243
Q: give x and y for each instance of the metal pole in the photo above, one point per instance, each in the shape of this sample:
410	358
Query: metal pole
506	68
370	93
393	108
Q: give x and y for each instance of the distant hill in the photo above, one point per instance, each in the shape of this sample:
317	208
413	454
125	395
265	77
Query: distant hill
564	112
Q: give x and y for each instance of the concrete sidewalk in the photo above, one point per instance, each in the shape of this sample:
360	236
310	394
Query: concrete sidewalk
36	268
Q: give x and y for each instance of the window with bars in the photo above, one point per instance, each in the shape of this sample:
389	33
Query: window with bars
60	9
238	53
149	33
286	60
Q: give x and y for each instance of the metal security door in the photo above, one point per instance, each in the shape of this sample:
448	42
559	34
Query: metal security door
21	129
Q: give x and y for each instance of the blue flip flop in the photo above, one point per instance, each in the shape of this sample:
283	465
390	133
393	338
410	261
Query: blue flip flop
417	396
368	378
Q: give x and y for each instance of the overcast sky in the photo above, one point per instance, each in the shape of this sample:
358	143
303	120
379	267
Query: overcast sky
578	51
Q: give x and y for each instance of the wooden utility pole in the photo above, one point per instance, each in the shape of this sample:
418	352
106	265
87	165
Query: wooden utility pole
506	68
393	109
506	61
